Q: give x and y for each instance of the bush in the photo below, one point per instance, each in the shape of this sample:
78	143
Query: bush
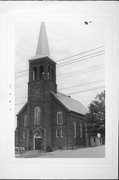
60	147
48	149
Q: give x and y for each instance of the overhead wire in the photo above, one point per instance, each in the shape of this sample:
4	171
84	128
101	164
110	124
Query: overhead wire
82	57
78	59
67	87
81	72
90	89
69	74
82	84
24	71
22	75
80	53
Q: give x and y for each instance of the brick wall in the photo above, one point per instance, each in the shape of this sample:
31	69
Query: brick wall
78	140
68	140
16	137
59	142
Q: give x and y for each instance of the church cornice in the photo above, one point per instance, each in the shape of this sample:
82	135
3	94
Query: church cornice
36	59
82	115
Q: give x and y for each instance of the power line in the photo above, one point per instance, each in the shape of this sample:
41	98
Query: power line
23	97
67	87
88	68
80	53
71	74
78	58
19	103
90	89
82	84
19	86
82	72
20	73
19	76
24	71
68	75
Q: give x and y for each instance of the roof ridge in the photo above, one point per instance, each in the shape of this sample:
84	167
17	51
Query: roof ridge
70	103
22	108
63	94
72	98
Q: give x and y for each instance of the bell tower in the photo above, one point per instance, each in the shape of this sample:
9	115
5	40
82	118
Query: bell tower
42	80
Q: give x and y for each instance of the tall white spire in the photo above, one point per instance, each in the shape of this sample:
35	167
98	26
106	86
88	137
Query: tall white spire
42	46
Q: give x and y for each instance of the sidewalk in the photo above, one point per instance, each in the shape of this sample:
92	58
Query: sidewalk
90	152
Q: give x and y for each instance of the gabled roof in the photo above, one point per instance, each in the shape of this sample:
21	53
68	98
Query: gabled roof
22	108
70	103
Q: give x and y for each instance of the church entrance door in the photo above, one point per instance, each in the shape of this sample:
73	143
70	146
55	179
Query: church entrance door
37	143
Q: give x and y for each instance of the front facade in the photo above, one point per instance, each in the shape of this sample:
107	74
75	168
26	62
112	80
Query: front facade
49	120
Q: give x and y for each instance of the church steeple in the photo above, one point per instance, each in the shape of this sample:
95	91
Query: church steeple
42	46
42	69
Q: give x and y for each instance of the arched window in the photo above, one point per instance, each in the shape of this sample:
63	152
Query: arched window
80	130
37	115
61	133
42	73
57	133
59	117
86	133
25	120
74	129
34	73
52	77
48	72
38	134
24	135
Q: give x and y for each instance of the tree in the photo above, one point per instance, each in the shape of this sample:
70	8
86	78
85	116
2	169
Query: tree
95	118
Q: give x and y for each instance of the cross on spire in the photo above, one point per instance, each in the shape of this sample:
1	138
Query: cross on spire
42	46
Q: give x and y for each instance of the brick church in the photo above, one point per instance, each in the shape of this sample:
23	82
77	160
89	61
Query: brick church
49	119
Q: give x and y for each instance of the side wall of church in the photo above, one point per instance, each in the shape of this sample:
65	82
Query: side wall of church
59	140
23	130
69	140
79	138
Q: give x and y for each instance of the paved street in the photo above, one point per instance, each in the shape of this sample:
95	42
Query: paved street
90	152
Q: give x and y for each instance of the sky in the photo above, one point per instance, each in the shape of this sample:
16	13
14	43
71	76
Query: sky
81	76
